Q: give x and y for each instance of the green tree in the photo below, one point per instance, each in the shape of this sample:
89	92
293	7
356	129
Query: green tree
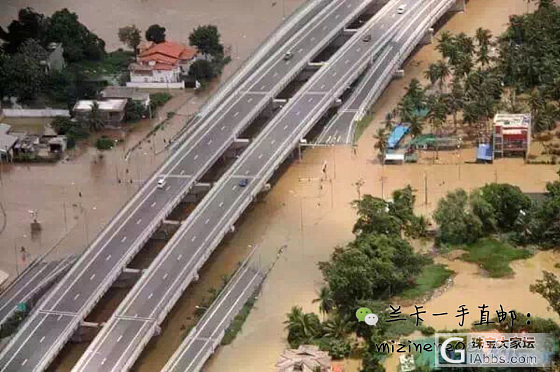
302	327
94	120
325	300
29	25
201	70
79	43
549	288
21	74
155	33
130	35
337	326
455	100
505	203
207	40
456	224
373	217
381	137
416	125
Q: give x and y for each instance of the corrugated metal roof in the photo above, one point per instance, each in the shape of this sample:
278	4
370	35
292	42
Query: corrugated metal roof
34	113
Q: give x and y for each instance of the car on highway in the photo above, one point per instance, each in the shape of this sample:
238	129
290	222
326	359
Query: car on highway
161	183
244	182
288	56
366	38
400	9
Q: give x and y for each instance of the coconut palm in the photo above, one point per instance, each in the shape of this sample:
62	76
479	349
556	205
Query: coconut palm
406	108
416	125
446	44
484	41
437	114
94	120
325	300
336	327
455	101
381	138
443	71
302	328
432	73
388	121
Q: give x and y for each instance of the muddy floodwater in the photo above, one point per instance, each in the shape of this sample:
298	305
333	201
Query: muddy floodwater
308	215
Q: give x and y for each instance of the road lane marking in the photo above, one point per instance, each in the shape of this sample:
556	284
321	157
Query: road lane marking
120	338
334	74
285	126
313	38
59	317
236	113
150	296
182	172
138	222
207	220
300	50
297	113
221	204
167	188
24	362
153	204
250	99
123	240
234	187
260	156
42	339
209	142
76	297
195	157
273	142
165	276
108	258
310	99
179	257
222	128
262	87
91	277
103	361
193	238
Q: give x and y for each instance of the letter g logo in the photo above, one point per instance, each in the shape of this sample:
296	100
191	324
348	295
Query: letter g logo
443	348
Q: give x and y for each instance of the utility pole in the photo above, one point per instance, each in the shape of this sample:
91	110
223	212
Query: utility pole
382	179
425	188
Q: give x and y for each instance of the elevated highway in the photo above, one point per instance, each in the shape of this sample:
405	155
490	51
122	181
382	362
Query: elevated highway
138	317
340	129
55	320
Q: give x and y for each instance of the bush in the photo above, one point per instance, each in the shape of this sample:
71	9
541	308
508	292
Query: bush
337	348
134	111
201	70
159	99
104	143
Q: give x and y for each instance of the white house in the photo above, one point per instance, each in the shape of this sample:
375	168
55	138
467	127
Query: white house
161	64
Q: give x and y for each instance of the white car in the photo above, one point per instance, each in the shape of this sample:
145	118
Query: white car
161	183
400	9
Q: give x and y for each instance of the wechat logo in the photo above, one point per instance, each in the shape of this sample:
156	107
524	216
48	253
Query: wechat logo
365	315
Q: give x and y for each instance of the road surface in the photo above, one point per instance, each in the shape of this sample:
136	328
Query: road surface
52	324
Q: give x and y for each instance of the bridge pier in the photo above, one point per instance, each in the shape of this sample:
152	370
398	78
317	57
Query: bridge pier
427	39
459	6
86	332
128	278
399	74
278	103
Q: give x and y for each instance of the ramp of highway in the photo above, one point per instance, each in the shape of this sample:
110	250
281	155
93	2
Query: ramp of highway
49	327
202	340
139	315
341	128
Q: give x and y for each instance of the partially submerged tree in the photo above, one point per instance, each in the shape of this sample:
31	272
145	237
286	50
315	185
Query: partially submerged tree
155	33
130	35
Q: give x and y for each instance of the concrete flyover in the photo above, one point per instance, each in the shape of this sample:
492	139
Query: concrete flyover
340	129
138	317
201	342
56	319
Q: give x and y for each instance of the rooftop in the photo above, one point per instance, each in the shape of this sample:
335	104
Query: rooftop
513	120
34	113
7	141
125	92
105	105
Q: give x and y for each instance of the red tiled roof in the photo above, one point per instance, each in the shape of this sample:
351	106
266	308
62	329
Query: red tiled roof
159	58
169	49
161	66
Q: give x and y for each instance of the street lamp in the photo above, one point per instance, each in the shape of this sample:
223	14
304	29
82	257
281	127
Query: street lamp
15	251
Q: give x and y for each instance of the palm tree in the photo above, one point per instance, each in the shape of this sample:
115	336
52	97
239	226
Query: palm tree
406	108
336	327
471	113
326	302
455	101
484	40
381	144
388	121
437	115
416	125
446	45
432	73
443	71
95	121
302	328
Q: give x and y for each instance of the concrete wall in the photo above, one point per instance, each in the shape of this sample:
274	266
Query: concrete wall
179	85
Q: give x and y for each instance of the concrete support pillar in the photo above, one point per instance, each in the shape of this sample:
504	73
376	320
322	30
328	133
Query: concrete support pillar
399	74
349	31
427	39
459	6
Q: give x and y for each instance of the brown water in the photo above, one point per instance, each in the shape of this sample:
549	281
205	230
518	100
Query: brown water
309	216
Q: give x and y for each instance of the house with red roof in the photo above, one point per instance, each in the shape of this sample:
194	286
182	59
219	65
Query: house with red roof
162	63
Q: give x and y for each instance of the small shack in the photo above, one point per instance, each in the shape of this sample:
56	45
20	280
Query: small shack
306	358
7	143
511	134
111	110
484	153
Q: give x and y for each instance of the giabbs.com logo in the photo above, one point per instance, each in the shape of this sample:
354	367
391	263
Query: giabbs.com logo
452	350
